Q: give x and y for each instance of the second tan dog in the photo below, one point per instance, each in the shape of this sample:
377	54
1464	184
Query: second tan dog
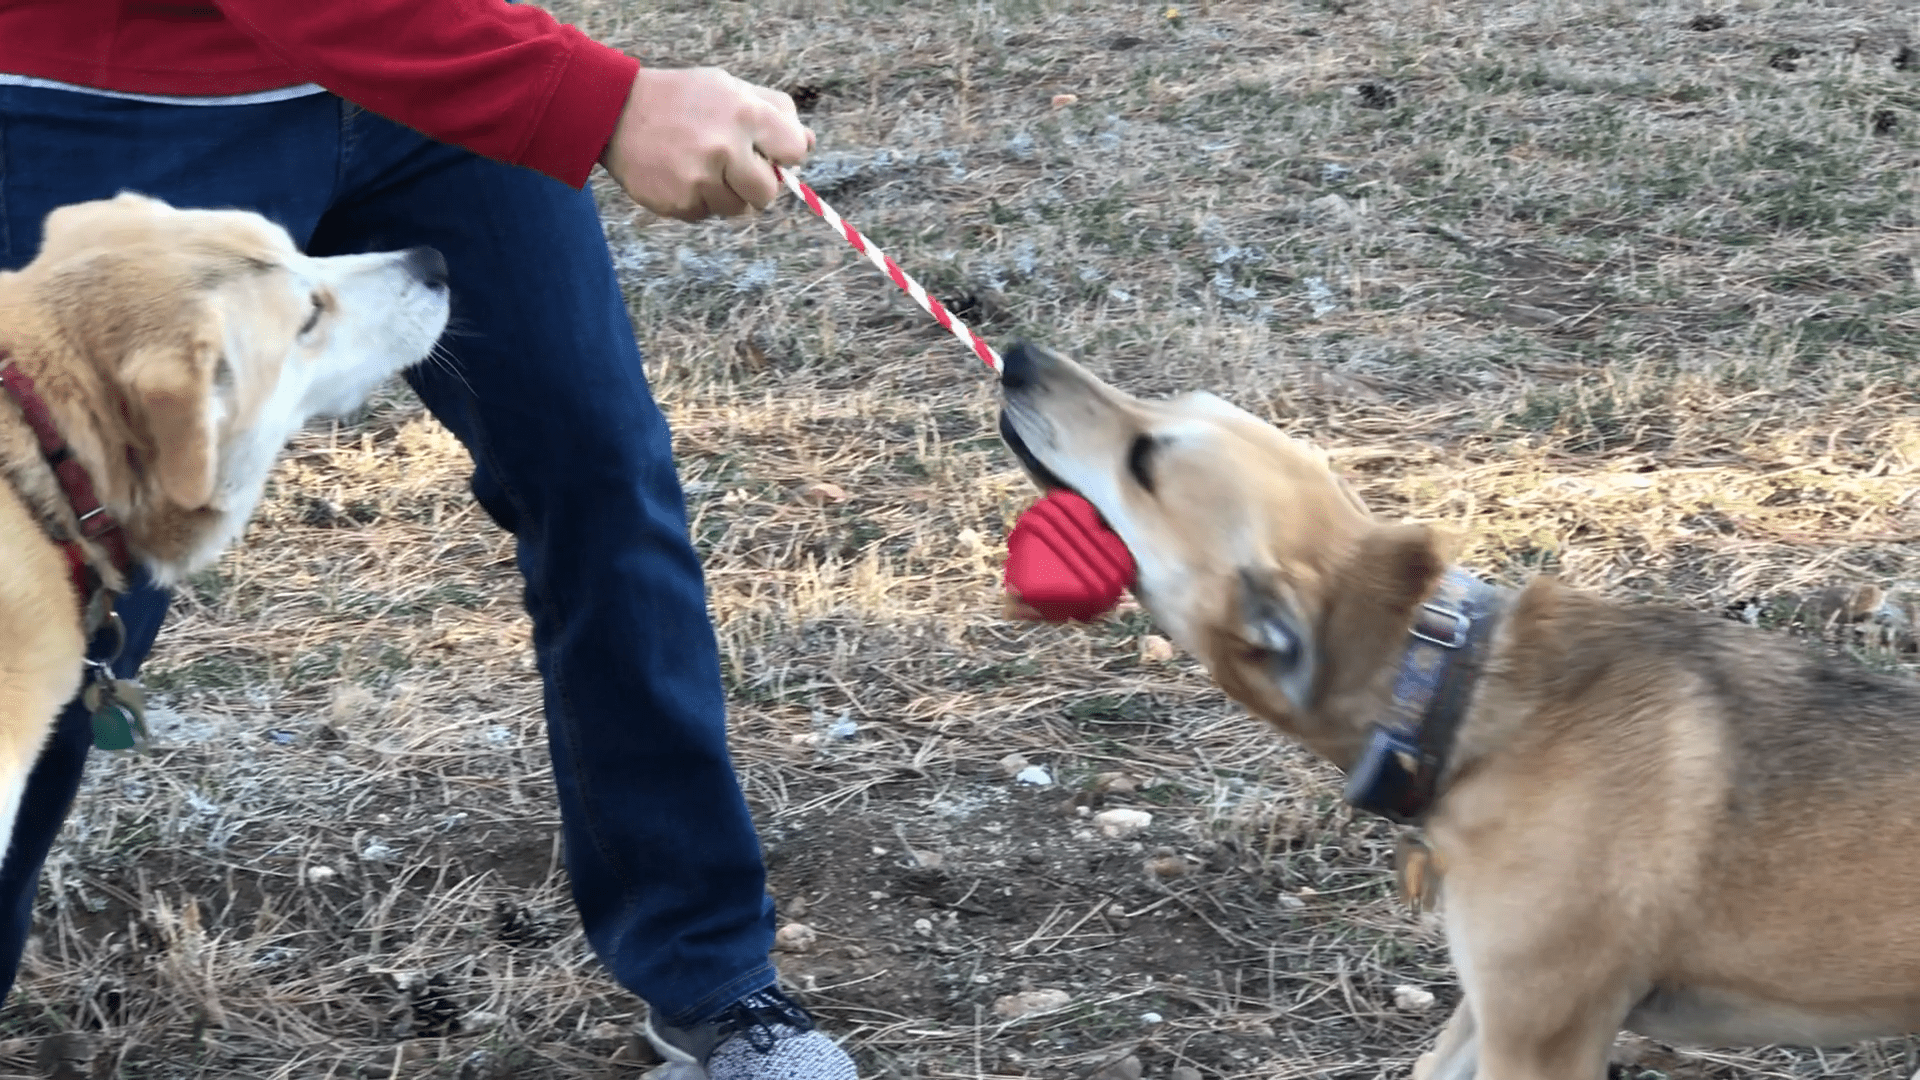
1646	819
153	363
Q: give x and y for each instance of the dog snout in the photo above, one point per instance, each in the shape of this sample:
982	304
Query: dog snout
1023	366
428	265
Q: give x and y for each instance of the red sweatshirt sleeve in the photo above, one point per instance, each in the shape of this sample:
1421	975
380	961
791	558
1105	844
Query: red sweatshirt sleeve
503	80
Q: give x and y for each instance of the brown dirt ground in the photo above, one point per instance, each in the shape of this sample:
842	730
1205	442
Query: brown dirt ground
1621	290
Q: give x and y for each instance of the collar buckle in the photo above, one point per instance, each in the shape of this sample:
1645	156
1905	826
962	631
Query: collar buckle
1453	637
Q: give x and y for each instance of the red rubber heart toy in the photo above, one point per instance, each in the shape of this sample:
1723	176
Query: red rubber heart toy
1063	561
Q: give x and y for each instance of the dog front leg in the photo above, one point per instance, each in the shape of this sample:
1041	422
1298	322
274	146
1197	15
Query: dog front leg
1549	985
1456	1054
28	709
1541	1023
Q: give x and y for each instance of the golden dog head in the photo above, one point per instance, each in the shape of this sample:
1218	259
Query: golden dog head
1252	554
195	342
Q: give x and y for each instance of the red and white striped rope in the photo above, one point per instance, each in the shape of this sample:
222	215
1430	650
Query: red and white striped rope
880	259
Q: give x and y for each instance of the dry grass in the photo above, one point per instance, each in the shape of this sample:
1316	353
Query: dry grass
1620	298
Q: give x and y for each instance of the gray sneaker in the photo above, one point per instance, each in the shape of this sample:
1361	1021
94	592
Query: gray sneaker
763	1036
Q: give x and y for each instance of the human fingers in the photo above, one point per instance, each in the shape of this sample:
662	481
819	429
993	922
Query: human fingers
751	179
721	198
777	131
778	99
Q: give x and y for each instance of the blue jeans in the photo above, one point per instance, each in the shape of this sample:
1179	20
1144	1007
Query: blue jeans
570	454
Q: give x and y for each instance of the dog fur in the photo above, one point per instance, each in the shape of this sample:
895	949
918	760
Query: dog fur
178	350
1652	819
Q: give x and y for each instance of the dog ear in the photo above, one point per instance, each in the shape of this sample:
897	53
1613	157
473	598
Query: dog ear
1390	570
171	390
1398	565
1279	634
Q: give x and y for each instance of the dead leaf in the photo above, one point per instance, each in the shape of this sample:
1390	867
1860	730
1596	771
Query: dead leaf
1012	607
823	492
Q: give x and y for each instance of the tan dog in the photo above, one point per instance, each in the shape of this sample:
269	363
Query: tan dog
175	351
1648	819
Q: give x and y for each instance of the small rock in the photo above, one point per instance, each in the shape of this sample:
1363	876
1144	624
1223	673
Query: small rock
319	875
68	1055
1151	1018
1012	764
1184	1072
1063	100
1155	649
1122	823
1035	775
923	927
482	1064
349	703
1030	1002
1166	864
1412	999
478	1021
1336	211
795	937
1115	783
1127	1068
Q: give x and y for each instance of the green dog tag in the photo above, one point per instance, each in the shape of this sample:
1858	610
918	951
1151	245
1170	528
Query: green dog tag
112	727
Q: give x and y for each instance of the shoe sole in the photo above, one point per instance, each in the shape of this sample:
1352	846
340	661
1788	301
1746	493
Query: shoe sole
679	1065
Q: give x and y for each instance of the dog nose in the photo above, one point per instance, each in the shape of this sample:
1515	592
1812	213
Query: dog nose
428	265
1020	366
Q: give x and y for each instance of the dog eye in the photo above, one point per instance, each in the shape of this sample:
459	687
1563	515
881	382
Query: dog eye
1282	659
1139	457
1275	647
313	319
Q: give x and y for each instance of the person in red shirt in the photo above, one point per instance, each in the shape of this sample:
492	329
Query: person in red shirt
470	126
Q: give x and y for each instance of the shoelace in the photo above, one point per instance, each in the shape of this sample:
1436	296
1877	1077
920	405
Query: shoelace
756	1016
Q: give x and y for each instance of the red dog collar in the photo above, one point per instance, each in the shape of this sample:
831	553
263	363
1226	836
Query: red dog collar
96	523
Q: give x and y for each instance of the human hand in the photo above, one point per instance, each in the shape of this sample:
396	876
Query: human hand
694	142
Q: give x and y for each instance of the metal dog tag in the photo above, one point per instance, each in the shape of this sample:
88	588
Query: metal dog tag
118	710
113	727
1418	868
